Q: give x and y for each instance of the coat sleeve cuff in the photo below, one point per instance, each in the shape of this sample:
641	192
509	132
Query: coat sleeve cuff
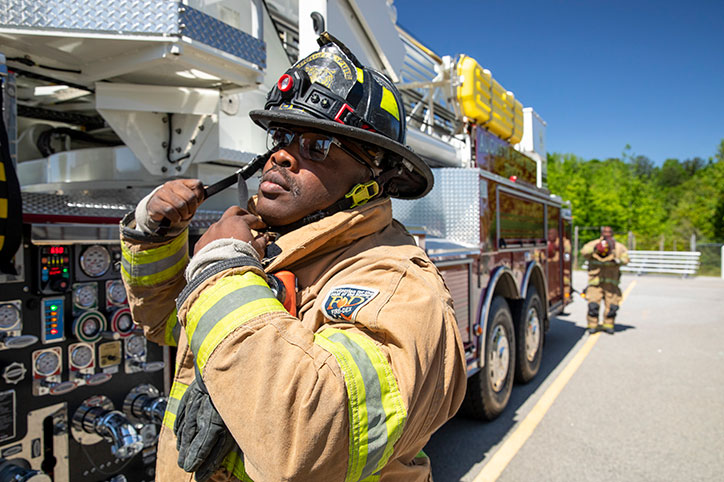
217	251
216	257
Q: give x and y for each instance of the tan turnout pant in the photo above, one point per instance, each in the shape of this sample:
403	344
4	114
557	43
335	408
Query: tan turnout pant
611	295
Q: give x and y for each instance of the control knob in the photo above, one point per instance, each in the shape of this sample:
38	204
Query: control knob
18	470
145	404
97	416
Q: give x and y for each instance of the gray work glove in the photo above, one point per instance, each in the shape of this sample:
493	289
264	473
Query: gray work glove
202	439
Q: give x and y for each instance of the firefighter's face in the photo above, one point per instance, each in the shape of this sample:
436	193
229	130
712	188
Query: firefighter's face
294	186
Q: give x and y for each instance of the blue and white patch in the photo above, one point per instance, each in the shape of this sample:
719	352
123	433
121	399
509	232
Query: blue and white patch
344	302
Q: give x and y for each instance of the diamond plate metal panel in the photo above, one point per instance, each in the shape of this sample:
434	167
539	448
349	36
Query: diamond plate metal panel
450	211
117	16
217	34
132	17
99	204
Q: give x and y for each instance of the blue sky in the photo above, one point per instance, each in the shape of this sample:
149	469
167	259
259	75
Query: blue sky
602	73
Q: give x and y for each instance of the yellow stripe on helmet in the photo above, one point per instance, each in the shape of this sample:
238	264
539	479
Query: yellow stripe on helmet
389	103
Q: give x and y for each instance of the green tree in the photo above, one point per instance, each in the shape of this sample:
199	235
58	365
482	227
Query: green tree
632	194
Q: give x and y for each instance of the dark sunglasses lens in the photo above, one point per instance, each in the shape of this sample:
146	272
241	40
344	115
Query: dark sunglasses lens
314	147
277	137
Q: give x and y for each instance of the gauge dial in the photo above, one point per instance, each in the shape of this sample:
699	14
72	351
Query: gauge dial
85	296
90	326
47	363
125	323
95	261
117	292
81	356
135	346
9	316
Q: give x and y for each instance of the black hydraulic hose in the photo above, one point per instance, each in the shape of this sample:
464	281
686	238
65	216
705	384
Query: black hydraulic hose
168	145
33	75
31	63
44	139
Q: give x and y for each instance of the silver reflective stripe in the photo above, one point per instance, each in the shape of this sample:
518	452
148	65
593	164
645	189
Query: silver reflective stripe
176	332
223	307
147	269
376	417
172	405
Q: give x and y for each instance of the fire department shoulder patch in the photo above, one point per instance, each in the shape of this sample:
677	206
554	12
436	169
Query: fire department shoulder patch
344	302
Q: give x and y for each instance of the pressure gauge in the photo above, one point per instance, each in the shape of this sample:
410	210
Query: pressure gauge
81	356
47	363
122	322
89	326
135	346
85	296
9	316
116	292
95	261
125	322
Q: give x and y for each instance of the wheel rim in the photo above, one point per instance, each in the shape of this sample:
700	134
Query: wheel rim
532	334
499	359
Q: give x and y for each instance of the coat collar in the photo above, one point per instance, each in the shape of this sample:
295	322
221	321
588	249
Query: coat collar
328	234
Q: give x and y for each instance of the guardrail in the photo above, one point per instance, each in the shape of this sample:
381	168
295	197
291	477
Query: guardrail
672	262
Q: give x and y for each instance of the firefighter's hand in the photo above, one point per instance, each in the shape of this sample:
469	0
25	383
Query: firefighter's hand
202	439
237	224
176	201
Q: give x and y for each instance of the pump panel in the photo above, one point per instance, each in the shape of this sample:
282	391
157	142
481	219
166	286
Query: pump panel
70	354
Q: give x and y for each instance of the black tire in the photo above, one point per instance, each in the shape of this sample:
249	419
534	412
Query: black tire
529	333
489	389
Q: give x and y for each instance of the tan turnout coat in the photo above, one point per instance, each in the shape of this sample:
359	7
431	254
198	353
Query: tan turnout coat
604	270
282	393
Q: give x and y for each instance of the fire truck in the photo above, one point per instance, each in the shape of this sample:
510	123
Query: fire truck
104	100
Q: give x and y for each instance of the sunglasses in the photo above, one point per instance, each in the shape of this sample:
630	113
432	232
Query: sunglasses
313	146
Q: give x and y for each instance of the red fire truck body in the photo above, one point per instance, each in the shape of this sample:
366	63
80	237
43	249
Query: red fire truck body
99	108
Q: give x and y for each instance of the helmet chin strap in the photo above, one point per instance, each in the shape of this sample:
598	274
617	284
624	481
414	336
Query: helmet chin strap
359	195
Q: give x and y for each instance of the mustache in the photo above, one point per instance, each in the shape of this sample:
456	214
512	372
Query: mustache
290	182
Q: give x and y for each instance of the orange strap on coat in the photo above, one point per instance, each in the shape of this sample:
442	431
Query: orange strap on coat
289	297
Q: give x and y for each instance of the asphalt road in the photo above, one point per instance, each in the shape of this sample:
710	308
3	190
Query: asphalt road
646	403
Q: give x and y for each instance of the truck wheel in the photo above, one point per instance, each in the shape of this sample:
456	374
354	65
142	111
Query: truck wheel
529	331
489	389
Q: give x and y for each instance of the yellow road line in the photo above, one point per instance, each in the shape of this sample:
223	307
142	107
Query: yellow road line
502	457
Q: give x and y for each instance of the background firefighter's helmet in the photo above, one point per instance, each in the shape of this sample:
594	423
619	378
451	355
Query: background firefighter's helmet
603	248
331	91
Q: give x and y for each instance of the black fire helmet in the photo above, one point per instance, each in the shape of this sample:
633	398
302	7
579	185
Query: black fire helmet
331	91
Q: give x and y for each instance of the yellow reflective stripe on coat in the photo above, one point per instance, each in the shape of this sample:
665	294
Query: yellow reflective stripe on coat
234	463
377	414
174	399
172	330
597	281
156	265
223	307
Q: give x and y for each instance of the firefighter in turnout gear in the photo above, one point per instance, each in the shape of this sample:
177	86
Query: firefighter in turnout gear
353	386
604	256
